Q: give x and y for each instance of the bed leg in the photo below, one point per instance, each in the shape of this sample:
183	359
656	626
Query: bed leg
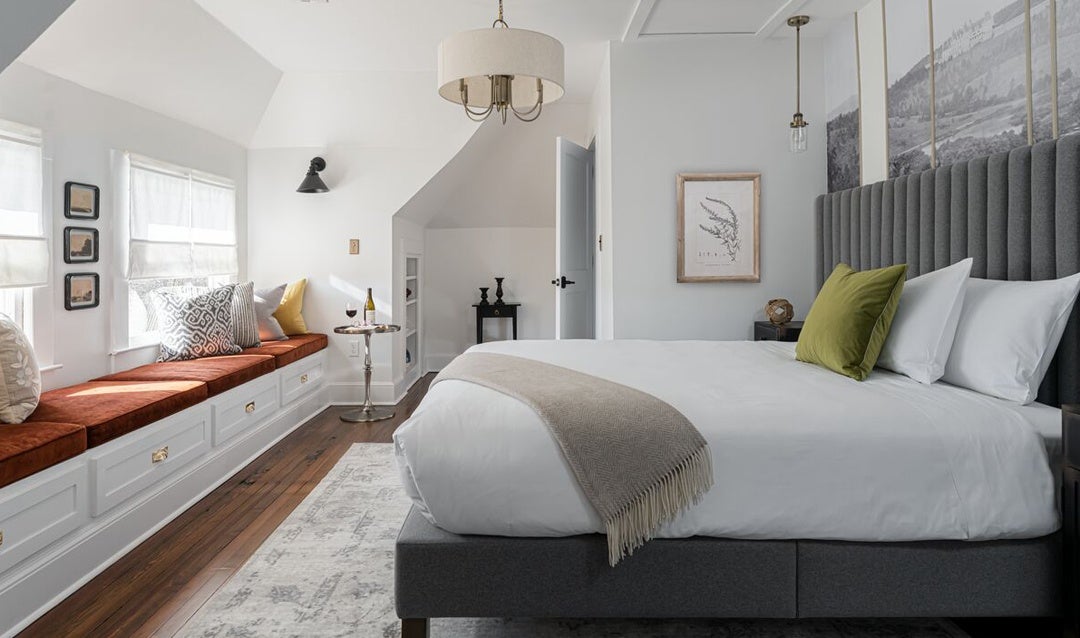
414	627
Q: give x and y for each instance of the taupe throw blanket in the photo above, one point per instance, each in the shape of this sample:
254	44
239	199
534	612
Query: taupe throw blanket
639	461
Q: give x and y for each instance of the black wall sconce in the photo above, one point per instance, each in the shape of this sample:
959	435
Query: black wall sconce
312	182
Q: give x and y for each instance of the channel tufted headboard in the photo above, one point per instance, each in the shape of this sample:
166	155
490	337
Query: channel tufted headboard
1017	214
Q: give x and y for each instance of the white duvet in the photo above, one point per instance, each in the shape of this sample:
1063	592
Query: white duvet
798	451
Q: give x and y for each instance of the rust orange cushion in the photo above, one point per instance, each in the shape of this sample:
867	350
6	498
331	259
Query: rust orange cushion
31	447
291	350
218	373
109	409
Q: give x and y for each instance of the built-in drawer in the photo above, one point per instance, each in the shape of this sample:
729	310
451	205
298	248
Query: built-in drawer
44	508
124	467
243	408
300	378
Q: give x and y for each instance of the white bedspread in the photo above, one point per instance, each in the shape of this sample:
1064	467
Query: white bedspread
798	451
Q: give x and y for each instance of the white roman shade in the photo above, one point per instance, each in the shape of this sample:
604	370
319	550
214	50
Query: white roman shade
24	250
182	223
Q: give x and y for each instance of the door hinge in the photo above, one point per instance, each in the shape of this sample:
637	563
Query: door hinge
601	243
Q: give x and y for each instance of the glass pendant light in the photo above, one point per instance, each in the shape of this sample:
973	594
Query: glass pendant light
798	123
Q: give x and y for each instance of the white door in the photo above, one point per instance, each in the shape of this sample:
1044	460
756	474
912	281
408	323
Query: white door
574	281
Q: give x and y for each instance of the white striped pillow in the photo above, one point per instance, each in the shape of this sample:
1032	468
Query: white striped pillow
245	322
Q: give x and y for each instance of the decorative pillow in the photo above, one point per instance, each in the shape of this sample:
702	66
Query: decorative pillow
850	319
288	313
194	327
177	291
925	323
245	320
1008	334
20	379
267	301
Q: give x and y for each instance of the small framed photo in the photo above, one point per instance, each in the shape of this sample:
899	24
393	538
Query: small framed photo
81	290
719	227
80	245
81	201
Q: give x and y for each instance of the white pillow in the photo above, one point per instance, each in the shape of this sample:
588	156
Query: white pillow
1008	334
922	331
20	379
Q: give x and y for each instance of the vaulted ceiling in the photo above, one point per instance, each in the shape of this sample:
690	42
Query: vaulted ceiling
287	73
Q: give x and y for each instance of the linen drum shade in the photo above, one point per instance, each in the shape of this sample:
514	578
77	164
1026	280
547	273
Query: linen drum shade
476	55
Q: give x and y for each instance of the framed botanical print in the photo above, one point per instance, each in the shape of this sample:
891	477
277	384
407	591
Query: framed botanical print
80	245
81	290
81	201
719	227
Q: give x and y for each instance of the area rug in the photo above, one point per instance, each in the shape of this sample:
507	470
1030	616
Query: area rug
329	571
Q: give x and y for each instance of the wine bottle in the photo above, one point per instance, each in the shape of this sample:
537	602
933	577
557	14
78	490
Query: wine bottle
369	309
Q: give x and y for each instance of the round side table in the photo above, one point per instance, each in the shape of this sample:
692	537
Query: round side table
367	412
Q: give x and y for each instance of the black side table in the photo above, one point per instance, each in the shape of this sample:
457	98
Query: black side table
768	331
494	311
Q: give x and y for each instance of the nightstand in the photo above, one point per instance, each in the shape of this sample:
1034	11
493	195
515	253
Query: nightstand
505	310
768	331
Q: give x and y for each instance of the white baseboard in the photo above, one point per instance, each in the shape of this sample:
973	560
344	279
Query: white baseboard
352	393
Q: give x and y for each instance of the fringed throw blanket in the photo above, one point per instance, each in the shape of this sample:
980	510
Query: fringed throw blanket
638	460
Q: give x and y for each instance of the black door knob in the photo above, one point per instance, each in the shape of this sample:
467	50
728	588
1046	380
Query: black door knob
562	282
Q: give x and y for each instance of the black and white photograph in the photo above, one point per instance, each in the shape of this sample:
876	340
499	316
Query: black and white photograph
80	245
81	290
81	201
907	36
980	77
1041	71
842	106
1068	38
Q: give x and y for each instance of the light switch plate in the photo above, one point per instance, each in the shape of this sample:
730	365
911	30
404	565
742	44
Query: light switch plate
354	246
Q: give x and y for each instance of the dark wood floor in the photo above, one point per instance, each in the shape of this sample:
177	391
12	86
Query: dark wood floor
158	587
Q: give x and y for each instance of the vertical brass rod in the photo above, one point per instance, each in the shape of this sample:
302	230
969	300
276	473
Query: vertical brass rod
798	69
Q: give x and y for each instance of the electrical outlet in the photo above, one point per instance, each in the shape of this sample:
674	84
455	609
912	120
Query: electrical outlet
354	348
354	246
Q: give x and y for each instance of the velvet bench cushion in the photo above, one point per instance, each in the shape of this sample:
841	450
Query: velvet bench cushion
28	448
292	349
110	409
218	373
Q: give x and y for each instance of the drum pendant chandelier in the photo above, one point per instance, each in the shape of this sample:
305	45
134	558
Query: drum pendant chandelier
501	70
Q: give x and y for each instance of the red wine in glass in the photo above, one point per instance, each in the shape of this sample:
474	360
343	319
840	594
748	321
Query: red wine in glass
350	312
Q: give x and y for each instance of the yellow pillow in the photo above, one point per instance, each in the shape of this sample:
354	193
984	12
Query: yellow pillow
288	312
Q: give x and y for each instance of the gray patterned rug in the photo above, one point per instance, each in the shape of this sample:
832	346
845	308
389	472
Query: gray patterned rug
329	571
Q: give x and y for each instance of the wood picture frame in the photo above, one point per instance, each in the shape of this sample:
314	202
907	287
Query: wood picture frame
82	201
80	245
82	290
719	237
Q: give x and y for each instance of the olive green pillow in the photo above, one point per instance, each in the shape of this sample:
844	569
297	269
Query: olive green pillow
850	319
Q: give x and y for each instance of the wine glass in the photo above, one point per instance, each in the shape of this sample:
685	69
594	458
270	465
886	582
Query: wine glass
350	312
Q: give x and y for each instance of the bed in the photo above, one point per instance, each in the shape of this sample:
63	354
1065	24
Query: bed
816	511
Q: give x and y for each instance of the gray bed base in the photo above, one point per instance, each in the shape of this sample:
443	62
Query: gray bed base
1017	214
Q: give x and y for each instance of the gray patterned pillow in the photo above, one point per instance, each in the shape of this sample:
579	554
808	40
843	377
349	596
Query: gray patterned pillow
194	327
245	321
20	379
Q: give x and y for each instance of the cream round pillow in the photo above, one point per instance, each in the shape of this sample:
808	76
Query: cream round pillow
20	379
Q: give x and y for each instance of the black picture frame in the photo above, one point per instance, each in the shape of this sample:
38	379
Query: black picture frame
80	211
95	291
83	257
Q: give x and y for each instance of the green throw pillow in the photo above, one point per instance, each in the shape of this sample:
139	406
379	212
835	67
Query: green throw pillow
850	319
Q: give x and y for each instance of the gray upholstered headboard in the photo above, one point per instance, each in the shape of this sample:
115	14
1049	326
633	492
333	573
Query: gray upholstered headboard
1017	214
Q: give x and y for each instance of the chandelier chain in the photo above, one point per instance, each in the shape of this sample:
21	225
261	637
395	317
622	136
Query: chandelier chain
500	20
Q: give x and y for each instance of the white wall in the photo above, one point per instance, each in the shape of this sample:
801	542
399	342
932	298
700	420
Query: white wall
709	105
599	135
295	235
457	261
81	129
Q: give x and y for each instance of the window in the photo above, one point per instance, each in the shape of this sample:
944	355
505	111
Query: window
181	233
24	249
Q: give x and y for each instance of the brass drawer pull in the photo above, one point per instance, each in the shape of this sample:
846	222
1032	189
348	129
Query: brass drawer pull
303	378
157	456
249	408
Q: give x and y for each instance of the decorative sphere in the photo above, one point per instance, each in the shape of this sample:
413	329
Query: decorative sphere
779	311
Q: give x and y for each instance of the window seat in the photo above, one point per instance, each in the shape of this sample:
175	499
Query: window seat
101	465
28	448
